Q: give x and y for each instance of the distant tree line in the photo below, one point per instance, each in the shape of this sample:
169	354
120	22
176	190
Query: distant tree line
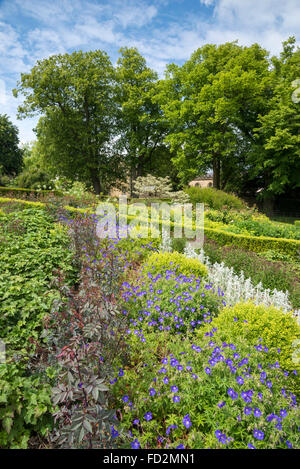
228	109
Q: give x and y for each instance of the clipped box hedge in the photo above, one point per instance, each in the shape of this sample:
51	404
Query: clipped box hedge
30	203
224	238
22	191
248	242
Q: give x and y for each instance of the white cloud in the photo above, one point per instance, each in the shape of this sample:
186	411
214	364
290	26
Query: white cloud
207	3
138	15
3	97
90	29
49	12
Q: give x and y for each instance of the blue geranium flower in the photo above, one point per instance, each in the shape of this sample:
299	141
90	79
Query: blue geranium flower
135	444
148	416
258	434
186	421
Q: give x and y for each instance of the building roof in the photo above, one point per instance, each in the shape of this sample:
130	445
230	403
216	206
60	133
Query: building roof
205	177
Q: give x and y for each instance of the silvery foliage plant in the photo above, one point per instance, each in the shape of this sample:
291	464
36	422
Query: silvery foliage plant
236	288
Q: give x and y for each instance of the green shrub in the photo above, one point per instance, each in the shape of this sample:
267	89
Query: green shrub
178	244
160	262
277	330
272	269
169	300
214	198
290	247
297	223
253	224
25	405
32	247
263	228
186	392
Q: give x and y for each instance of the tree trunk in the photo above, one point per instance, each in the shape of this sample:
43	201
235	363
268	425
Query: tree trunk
268	206
96	183
268	201
216	172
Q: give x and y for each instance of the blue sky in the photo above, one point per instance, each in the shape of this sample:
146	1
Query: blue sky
163	31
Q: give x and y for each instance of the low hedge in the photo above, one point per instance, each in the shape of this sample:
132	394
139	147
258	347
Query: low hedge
251	243
22	190
29	203
254	243
224	238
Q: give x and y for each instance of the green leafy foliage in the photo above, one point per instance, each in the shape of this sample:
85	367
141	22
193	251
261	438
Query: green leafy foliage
31	248
73	92
11	156
214	198
189	391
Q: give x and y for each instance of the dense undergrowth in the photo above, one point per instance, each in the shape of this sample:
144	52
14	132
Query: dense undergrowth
111	344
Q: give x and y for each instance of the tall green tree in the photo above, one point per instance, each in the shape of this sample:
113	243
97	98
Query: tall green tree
11	155
34	174
212	104
279	160
141	126
74	94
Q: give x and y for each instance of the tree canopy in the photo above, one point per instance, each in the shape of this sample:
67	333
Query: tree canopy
11	156
212	104
231	109
74	94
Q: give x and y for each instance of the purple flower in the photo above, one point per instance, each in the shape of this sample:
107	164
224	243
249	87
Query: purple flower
180	446
176	399
270	417
135	444
221	404
152	391
221	437
114	432
240	380
247	410
257	412
148	416
207	370
174	388
283	413
125	398
246	396
250	446
186	421
258	434
232	393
